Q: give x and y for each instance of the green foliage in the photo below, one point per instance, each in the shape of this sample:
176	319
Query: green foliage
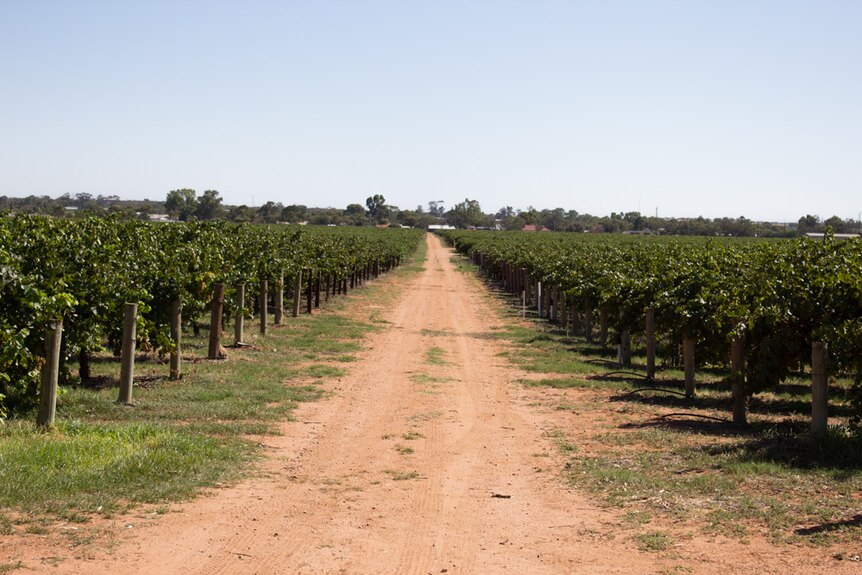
83	467
779	295
467	214
84	271
377	208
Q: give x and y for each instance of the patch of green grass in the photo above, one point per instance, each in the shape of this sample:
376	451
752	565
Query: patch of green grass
663	471
560	440
424	378
404	449
323	371
436	332
232	428
436	356
411	435
653	541
6	525
637	518
575	383
654	437
93	468
416	263
723	522
461	264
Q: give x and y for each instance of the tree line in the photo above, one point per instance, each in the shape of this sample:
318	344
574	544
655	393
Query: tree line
186	204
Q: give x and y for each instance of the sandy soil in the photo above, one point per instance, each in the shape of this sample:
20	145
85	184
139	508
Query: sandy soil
479	493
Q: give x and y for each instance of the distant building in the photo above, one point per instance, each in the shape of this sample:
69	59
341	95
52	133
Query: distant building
638	232
819	236
433	227
532	228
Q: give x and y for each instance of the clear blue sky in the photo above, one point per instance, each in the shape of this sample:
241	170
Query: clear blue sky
713	108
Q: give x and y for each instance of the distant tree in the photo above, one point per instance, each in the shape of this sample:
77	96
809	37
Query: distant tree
241	214
144	210
270	212
530	215
437	208
295	213
354	210
506	212
808	223
181	204
513	223
320	219
415	219
209	206
377	208
467	214
124	212
838	225
554	220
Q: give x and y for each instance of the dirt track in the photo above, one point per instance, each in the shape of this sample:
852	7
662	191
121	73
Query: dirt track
427	458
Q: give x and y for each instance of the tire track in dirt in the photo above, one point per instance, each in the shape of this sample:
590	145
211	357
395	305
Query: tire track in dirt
338	497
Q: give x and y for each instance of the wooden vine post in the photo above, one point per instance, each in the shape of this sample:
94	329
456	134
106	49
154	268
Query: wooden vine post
239	320
819	387
310	289
574	313
588	319
624	349
523	304
127	352
216	351
50	375
297	292
565	306
539	296
603	326
688	363
737	368
650	342
176	336
279	299
263	299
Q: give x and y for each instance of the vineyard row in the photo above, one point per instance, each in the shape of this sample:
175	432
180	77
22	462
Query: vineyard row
81	274
765	308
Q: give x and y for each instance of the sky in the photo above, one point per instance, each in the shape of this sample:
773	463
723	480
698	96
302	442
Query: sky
721	108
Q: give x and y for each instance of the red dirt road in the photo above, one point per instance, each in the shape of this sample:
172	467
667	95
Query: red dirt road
424	460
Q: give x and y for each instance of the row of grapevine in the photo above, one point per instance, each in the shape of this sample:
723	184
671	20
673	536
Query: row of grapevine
84	271
775	296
